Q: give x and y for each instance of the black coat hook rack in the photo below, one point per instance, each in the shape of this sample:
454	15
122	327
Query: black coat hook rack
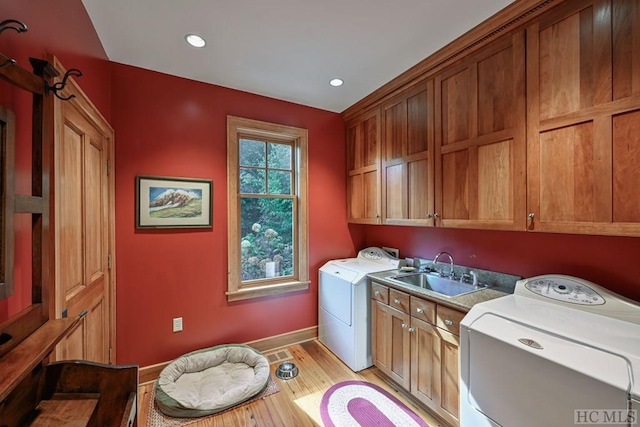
57	87
20	27
8	62
12	24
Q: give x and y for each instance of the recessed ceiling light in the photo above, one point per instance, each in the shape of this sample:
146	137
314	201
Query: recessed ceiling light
195	40
336	82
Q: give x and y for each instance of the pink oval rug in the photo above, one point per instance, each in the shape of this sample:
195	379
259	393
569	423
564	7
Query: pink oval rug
359	403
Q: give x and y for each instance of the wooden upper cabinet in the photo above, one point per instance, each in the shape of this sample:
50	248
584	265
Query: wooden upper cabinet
626	52
583	91
545	138
480	142
363	165
407	164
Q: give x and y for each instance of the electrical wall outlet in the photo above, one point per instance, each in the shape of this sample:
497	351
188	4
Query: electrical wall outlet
177	324
392	251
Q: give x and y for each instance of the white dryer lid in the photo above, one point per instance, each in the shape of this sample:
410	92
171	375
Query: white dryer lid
614	336
521	376
364	266
369	260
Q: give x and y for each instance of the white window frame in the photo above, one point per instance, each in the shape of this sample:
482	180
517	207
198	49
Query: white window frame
238	127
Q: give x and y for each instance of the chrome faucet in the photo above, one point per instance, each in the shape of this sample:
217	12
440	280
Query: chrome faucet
441	272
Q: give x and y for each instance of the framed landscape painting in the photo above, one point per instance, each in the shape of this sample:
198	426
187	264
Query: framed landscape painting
164	202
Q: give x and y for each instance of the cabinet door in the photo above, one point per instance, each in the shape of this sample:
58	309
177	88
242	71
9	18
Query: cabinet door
449	377
480	139
583	89
407	181
425	362
363	197
390	337
363	165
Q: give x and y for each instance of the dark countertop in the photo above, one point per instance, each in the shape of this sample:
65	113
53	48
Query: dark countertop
500	286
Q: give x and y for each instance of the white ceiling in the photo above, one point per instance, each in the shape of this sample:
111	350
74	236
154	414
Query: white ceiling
285	49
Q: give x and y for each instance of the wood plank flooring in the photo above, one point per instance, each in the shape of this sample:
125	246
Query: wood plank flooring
298	402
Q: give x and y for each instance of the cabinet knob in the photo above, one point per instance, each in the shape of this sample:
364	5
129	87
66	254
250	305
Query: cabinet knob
377	293
377	215
396	301
404	326
420	310
448	322
412	330
436	215
429	216
530	223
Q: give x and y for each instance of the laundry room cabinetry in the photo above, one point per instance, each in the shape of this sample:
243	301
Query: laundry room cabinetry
452	147
363	166
480	139
407	159
390	336
448	329
415	343
583	96
536	125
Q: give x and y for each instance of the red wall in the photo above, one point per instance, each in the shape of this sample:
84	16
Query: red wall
61	27
608	261
176	127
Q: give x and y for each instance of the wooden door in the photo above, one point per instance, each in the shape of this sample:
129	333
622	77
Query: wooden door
391	340
407	167
83	228
363	166
480	142
583	90
425	362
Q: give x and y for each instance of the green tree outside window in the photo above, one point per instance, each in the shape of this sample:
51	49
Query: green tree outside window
267	206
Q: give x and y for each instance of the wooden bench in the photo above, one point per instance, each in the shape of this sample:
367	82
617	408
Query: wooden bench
34	392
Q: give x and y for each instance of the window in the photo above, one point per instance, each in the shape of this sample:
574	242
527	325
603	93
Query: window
267	187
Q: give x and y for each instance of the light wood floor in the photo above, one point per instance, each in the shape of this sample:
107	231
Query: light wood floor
297	404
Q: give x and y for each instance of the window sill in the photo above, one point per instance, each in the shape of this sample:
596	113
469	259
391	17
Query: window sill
266	290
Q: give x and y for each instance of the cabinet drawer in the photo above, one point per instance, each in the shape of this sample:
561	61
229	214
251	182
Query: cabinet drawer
379	292
399	300
449	319
423	310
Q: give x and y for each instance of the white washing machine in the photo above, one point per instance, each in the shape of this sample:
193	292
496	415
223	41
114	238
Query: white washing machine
344	308
560	351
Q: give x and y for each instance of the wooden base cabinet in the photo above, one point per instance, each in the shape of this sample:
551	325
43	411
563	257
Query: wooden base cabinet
449	376
391	343
425	355
418	348
390	333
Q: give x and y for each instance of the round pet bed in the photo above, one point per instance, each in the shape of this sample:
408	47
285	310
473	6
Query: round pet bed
207	381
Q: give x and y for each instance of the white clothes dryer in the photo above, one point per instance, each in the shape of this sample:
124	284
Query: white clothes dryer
344	324
561	351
